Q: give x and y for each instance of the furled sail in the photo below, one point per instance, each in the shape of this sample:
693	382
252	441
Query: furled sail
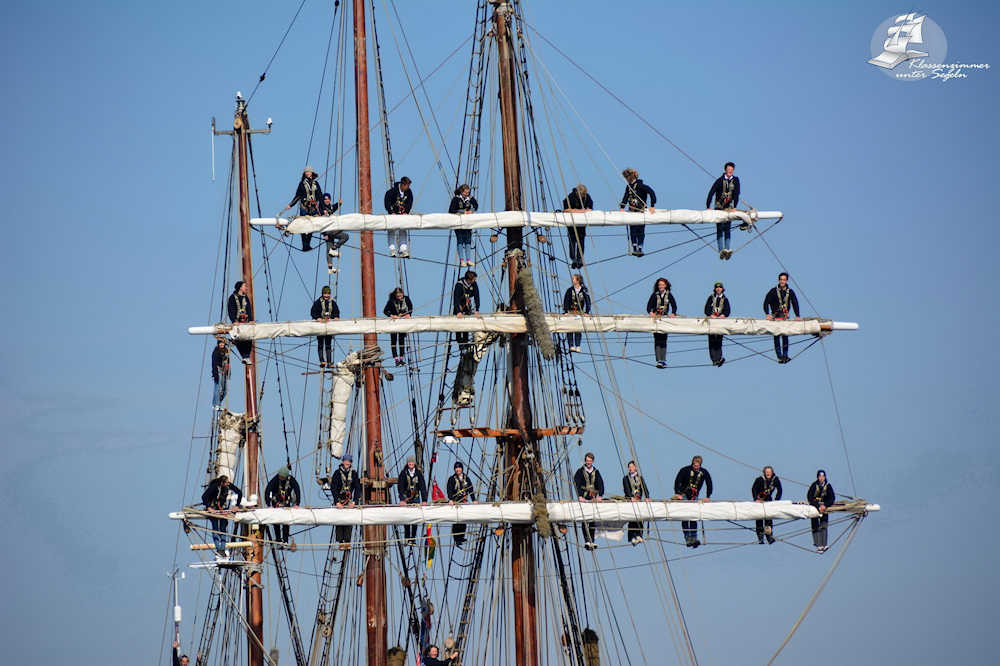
513	323
231	438
523	513
597	218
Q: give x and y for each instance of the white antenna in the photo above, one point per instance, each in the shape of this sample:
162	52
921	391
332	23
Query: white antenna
176	575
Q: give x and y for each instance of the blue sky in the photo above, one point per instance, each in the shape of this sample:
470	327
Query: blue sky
111	235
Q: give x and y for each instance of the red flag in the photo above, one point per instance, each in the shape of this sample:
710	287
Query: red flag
436	493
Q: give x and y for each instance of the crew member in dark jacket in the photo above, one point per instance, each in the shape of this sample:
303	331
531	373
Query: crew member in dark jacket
460	491
590	488
399	306
309	197
346	490
241	312
463	203
726	192
634	201
220	373
634	487
821	496
687	486
217	498
412	490
716	307
283	491
778	303
766	488
431	657
334	239
399	201
465	301
325	309
578	201
661	304
576	303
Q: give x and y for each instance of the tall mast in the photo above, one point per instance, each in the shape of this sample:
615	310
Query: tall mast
375	485
255	606
521	482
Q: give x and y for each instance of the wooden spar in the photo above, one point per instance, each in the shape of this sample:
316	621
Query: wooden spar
375	490
255	602
520	482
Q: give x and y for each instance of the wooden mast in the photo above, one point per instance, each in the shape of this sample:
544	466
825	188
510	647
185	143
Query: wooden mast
255	606
520	483
375	486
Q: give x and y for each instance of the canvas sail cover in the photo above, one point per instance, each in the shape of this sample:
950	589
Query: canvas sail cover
340	394
513	323
229	443
445	221
522	513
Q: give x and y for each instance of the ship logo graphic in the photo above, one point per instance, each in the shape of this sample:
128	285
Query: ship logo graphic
905	30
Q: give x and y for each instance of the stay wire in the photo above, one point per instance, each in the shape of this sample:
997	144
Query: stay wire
275	55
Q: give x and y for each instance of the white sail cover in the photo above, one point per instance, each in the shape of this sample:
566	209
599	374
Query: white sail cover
343	382
230	441
445	221
513	323
521	513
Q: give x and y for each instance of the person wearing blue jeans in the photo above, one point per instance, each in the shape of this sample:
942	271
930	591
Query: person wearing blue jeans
461	204
726	192
220	373
634	201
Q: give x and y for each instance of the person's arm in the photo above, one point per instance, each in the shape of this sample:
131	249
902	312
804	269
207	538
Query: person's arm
736	191
673	304
652	195
794	302
453	208
725	307
711	193
708	484
777	488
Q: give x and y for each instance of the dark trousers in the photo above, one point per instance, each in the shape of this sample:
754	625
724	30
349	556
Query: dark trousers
660	346
637	234
280	533
410	531
781	346
634	530
819	530
398	344
577	238
760	525
244	347
588	532
344	533
458	533
690	528
324	343
715	348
